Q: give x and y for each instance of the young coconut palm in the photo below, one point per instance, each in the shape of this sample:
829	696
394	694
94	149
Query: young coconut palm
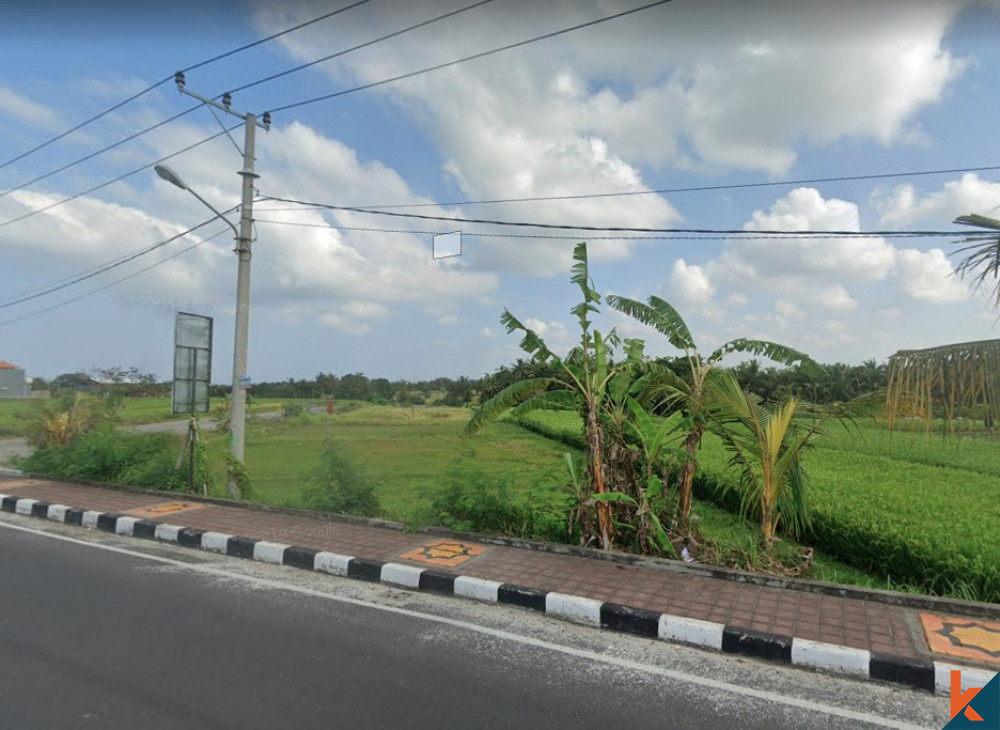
689	395
581	381
767	447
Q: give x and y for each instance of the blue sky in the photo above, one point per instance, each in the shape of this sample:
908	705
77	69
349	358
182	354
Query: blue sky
682	95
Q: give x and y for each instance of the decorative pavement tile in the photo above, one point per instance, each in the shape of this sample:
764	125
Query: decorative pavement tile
164	508
968	638
447	553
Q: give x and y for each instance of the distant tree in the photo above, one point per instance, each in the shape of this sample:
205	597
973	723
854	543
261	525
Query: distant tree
40	384
355	386
74	381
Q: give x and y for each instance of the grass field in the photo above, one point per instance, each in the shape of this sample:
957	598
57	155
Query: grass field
411	453
11	424
914	508
407	452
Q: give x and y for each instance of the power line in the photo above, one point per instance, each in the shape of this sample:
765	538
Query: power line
81	275
134	274
191	109
105	267
692	189
101	151
626	229
121	177
537	236
345	51
473	57
476	234
164	80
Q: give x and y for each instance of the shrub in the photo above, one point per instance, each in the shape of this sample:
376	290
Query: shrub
292	409
341	485
474	501
107	455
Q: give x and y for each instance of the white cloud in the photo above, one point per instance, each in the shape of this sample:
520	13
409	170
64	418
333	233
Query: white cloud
298	259
928	276
723	84
970	194
690	283
487	333
345	324
21	108
448	319
838	298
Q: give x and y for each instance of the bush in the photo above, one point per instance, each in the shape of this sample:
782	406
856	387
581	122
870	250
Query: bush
292	409
107	455
472	501
341	485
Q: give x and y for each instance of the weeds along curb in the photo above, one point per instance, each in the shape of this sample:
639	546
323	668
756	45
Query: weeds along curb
923	674
904	600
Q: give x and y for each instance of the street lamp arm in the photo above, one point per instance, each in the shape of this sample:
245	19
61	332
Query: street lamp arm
216	211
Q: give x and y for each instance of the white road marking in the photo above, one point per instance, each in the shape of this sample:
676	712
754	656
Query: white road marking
590	656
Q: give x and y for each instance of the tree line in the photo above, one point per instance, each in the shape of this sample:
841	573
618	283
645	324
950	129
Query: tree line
831	383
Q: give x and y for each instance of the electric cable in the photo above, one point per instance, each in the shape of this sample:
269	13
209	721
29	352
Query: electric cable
164	80
626	229
693	189
473	57
121	177
536	236
134	274
345	51
90	274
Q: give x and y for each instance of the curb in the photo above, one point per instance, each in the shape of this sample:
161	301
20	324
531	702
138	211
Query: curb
937	604
933	676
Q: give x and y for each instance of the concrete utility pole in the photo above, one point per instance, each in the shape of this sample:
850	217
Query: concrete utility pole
238	414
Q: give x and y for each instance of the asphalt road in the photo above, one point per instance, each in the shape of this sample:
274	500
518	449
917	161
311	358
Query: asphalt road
110	633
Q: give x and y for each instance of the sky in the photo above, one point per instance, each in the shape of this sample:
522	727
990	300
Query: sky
744	99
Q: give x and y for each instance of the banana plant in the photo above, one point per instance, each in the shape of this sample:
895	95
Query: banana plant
689	395
582	381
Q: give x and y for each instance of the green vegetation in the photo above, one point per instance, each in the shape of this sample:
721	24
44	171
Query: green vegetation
11	420
408	454
914	511
340	484
107	455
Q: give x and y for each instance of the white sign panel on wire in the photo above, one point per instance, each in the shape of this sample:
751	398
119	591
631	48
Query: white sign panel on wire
447	245
192	363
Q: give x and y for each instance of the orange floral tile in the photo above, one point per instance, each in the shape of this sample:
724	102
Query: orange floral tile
164	508
966	638
447	553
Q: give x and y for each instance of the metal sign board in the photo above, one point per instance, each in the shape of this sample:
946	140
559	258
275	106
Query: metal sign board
192	363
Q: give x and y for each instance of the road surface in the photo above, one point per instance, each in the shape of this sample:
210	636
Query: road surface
107	632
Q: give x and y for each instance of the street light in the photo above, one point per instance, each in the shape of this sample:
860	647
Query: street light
237	415
171	176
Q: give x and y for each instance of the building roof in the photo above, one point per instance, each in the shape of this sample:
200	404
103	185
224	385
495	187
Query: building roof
4	365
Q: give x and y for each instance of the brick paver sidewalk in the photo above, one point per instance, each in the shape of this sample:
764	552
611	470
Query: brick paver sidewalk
657	586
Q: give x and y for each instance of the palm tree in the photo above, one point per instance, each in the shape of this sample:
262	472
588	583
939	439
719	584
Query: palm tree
580	381
697	405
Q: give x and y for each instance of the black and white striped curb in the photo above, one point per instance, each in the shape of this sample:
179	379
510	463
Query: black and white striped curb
934	676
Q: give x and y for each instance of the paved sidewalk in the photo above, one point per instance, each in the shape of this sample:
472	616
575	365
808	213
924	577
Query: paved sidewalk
861	634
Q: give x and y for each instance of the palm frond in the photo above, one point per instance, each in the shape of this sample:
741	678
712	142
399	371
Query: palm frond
981	263
531	343
512	395
659	315
771	350
581	277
